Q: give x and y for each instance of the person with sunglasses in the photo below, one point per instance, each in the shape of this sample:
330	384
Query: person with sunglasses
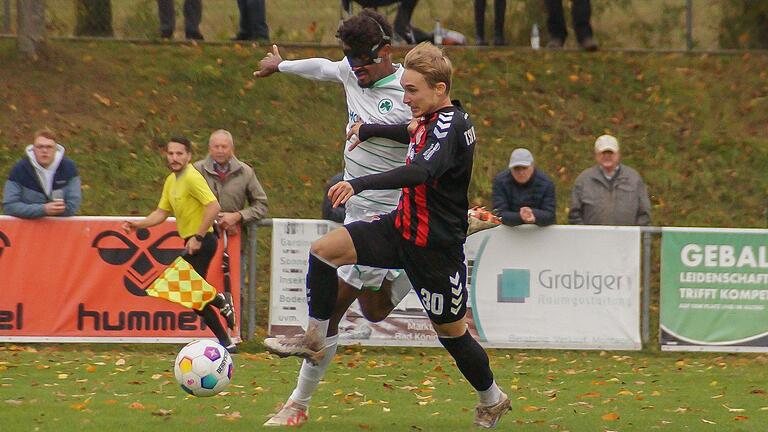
374	97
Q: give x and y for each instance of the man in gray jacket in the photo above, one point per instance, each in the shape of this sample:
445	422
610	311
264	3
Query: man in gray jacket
609	193
234	183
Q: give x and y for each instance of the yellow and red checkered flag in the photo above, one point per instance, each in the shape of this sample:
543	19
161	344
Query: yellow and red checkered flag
181	284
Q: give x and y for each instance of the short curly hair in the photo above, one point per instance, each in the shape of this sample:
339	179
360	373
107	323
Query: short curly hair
363	31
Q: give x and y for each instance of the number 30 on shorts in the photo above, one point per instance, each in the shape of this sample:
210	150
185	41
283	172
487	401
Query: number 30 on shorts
432	301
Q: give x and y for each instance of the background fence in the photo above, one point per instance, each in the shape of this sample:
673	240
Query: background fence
621	24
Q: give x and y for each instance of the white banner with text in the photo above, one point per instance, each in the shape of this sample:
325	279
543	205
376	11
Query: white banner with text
573	287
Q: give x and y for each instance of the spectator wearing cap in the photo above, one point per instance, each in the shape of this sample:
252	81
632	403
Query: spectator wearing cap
523	194
609	193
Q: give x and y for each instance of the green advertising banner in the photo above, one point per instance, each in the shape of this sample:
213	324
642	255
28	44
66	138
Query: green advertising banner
714	289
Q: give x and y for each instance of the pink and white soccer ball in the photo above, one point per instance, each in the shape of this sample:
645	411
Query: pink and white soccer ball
203	368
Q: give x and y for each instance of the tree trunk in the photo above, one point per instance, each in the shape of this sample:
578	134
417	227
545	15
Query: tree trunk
31	27
94	18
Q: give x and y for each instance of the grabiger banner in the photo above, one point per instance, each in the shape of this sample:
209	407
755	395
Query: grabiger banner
529	287
83	279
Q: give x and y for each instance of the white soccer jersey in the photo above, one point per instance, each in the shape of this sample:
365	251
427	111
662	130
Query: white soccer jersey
380	104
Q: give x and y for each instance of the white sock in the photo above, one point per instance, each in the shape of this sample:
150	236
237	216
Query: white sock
310	375
489	397
317	329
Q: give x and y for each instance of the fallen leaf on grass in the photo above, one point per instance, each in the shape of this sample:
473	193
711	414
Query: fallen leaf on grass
14	402
136	406
733	409
235	415
162	412
532	408
102	100
741	418
610	417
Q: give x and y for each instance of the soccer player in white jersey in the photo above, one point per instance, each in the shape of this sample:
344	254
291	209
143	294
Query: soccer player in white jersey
374	96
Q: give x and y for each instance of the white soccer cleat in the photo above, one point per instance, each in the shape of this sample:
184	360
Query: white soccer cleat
488	416
292	414
361	332
295	347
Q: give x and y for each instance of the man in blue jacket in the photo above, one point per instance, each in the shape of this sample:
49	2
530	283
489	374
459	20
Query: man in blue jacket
44	183
523	194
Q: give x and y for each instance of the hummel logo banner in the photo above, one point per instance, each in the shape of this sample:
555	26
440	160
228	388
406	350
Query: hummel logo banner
83	279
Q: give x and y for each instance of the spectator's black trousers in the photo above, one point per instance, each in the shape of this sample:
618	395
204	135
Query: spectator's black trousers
580	12
253	19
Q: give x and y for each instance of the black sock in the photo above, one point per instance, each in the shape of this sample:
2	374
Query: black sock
211	319
471	359
218	301
322	287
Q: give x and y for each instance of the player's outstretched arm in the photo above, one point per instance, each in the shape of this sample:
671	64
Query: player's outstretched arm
269	64
316	68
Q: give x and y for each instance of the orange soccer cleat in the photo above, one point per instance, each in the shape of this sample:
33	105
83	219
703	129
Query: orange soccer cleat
481	219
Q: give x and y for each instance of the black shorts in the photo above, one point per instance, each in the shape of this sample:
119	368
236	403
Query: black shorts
201	260
438	274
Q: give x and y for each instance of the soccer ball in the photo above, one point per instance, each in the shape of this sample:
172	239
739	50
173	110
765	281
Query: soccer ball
203	368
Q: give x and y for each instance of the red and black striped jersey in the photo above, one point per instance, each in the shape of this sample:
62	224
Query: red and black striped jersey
434	213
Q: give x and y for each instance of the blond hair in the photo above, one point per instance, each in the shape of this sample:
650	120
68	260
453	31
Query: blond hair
45	133
431	63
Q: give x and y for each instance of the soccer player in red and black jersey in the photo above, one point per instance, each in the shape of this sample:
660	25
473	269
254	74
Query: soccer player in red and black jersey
424	236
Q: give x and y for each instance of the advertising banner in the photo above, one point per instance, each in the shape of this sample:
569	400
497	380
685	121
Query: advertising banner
407	325
575	287
714	289
558	287
83	279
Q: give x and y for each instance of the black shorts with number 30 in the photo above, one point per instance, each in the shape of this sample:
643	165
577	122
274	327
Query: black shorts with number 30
437	274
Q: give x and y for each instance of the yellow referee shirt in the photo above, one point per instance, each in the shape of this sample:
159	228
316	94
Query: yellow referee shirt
185	197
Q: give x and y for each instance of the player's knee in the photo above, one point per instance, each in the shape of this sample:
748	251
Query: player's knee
450	330
374	314
320	249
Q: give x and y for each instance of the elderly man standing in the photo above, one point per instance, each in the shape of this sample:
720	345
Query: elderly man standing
44	183
234	183
609	193
523	194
